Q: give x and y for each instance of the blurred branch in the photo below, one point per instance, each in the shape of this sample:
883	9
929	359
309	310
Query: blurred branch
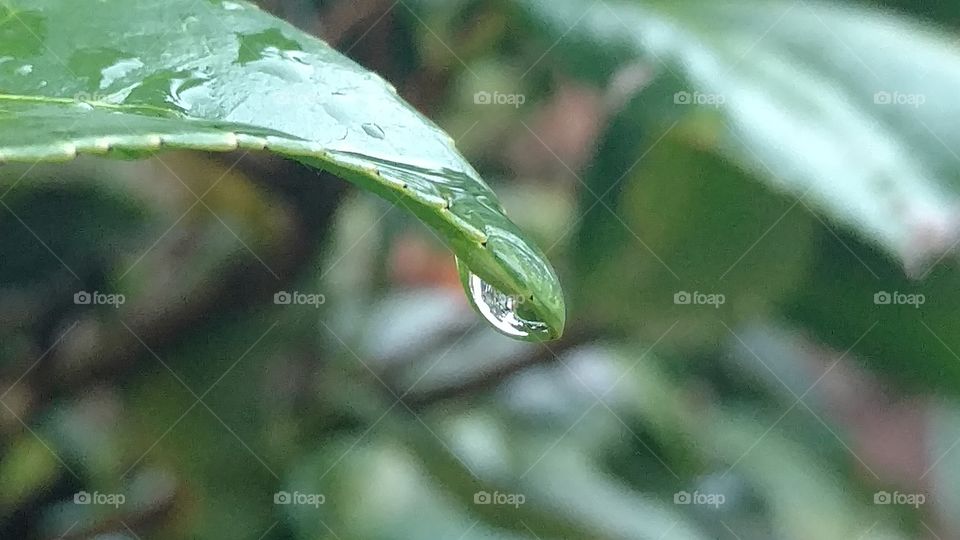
486	380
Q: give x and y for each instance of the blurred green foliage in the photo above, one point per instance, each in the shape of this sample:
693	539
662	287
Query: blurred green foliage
786	400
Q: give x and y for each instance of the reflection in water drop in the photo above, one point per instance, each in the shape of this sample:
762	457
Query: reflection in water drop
374	131
25	69
500	309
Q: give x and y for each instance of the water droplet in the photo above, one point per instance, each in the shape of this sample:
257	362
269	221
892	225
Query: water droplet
297	56
337	112
293	72
190	94
374	131
25	69
187	22
232	6
118	70
501	310
272	43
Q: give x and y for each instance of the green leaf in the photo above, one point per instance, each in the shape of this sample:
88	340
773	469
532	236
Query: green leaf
686	223
121	77
848	109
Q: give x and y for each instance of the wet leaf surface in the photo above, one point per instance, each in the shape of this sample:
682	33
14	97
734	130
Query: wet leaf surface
120	78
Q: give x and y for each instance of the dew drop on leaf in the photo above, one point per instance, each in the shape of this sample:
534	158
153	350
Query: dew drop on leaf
374	131
501	310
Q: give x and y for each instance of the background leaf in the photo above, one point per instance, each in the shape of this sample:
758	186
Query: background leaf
827	103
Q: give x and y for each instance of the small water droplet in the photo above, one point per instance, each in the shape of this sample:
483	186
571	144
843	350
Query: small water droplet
501	310
189	94
231	6
288	71
188	21
297	56
374	130
118	70
84	106
25	69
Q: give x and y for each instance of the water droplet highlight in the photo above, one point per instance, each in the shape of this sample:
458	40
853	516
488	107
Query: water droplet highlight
118	70
374	131
501	310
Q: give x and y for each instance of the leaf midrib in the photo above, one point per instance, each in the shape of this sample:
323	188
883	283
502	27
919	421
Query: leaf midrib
98	104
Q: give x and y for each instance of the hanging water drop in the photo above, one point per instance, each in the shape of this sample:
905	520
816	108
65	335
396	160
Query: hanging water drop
501	310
